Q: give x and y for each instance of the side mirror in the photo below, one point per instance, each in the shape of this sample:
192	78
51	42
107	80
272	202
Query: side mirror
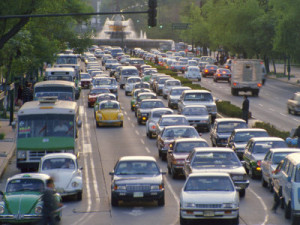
79	123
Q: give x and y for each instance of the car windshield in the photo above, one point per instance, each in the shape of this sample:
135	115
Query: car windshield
130	72
263	146
58	163
137	168
185	147
278	156
193	69
109	105
133	80
99	91
158	114
106	97
173	83
136	61
170	121
209	184
142	97
201	97
17	185
177	91
105	82
162	80
245	136
197	111
85	76
180	132
228	127
151	105
215	159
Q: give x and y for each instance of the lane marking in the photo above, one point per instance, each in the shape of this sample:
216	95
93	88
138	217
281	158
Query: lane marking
261	105
147	149
175	197
138	133
296	120
125	113
283	114
142	141
264	206
128	118
271	109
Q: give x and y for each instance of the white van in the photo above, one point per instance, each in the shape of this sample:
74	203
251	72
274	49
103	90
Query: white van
127	71
60	73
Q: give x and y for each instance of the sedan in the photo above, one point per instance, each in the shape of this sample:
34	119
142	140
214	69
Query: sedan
85	80
145	107
222	74
141	96
174	96
94	93
209	70
211	159
134	96
209	196
21	202
170	120
169	134
129	84
137	178
66	173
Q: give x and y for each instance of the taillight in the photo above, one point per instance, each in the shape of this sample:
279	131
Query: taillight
234	84
153	127
206	71
259	84
259	163
219	75
183	68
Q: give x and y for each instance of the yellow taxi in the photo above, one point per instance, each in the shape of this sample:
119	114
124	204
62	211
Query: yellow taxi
109	113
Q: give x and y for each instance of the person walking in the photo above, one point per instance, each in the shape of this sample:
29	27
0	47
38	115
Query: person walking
297	134
27	93
245	108
50	204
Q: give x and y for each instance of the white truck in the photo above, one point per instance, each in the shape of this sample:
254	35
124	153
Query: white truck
247	75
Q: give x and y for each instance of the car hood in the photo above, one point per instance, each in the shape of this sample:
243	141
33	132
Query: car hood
198	103
224	135
21	202
137	179
193	117
240	145
179	156
259	156
62	177
219	168
208	197
110	114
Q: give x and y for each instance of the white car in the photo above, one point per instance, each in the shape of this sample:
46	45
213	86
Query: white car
169	84
64	169
209	196
193	72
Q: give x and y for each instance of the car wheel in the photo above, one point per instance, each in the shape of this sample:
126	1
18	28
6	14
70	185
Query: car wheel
169	169
289	111
89	105
251	173
215	80
163	157
287	211
79	196
183	221
132	109
242	193
97	124
164	96
161	201
57	218
114	201
263	182
150	135
235	221
199	79
126	93
121	124
295	220
139	121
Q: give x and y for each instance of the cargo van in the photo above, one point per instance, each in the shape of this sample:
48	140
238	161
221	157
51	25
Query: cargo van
125	72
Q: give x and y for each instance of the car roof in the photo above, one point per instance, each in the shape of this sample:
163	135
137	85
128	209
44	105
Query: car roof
59	155
194	106
229	120
113	101
40	176
257	139
161	109
137	158
213	149
249	129
178	126
275	150
209	174
152	100
294	158
182	87
173	115
196	91
190	140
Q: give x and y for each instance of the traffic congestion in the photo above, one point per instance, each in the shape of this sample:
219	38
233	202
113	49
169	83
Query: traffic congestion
126	144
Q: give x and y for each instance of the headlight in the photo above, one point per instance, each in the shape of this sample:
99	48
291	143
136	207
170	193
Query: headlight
189	205
155	187
99	115
120	115
229	205
121	187
75	184
21	154
38	209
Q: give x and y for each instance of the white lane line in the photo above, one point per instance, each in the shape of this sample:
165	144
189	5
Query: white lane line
261	105
271	109
296	120
125	113
128	118
138	133
142	141
147	149
175	197
81	110
264	206
283	114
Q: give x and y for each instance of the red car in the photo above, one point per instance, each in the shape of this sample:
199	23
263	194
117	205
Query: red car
209	70
222	74
93	94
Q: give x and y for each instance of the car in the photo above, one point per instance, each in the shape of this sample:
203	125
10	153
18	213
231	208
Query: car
212	159
159	84
65	171
142	84
198	116
142	96
240	137
21	201
170	120
222	74
228	63
102	97
202	65
286	181
145	107
94	93
109	63
293	104
193	72
113	69
169	134
198	97
137	178
174	96
109	113
154	116
209	70
271	161
222	129
255	152
134	96
169	84
107	82
129	84
179	151
209	196
85	80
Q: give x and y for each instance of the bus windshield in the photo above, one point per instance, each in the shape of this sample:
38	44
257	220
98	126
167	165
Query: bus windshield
46	125
67	60
62	93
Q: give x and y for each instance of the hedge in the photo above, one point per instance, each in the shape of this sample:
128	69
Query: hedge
272	130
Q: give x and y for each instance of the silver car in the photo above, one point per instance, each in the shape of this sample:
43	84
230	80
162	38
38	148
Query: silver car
170	120
130	83
174	96
168	85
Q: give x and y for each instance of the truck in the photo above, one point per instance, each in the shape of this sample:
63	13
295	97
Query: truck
247	75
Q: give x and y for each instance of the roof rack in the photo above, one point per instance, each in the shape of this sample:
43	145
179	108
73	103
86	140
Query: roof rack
48	99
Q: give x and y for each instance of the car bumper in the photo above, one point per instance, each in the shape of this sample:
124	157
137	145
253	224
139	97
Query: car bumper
142	196
65	192
109	122
209	213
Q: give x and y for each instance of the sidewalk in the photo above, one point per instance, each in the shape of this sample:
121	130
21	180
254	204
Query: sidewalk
7	145
295	74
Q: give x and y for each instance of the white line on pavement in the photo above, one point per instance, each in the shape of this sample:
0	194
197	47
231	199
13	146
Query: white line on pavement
128	118
283	114
138	133
271	109
263	205
147	149
142	141
175	197
296	120
261	105
125	113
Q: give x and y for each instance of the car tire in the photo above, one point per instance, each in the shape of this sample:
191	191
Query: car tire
161	201
289	111
159	153
295	220
139	121
199	79
114	201
132	109
251	173
165	96
263	182
235	221
126	93
97	125
183	221
121	124
242	193
169	169
287	211
215	80
122	86
79	196
150	135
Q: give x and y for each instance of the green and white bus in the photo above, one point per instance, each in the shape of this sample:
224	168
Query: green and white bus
46	126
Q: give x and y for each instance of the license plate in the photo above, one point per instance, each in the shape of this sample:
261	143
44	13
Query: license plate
138	194
208	213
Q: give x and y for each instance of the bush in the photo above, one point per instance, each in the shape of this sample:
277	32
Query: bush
2	136
272	130
226	108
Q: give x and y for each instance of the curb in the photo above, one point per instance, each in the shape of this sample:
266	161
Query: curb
7	159
284	81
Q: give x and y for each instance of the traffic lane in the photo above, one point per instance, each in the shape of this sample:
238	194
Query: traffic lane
268	107
117	142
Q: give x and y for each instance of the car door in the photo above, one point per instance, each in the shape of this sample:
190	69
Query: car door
187	163
230	140
247	154
213	133
180	103
266	165
288	179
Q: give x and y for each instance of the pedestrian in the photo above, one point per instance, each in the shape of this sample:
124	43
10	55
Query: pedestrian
297	134
49	204
19	100
245	108
27	93
156	60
